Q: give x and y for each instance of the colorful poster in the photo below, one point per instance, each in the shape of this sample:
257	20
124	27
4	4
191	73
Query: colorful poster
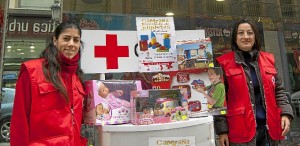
157	44
202	89
193	54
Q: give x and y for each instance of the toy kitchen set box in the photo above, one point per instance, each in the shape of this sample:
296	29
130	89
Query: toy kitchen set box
108	101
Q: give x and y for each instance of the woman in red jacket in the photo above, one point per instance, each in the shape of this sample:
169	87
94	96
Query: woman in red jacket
258	110
49	94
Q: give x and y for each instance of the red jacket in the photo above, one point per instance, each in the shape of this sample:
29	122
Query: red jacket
41	116
240	116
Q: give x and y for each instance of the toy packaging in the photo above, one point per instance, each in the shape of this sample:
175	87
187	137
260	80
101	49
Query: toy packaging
164	101
207	91
108	101
203	89
142	112
157	106
194	54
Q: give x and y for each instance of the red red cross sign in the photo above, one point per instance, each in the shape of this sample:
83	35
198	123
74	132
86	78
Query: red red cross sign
111	51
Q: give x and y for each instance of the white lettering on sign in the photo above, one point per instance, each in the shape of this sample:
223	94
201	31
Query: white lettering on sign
20	27
44	27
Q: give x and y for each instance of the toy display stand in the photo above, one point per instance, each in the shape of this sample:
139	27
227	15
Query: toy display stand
200	130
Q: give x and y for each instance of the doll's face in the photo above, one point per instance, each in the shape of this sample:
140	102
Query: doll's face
103	91
212	76
102	110
146	111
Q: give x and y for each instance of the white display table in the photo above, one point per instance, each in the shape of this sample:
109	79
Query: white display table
197	131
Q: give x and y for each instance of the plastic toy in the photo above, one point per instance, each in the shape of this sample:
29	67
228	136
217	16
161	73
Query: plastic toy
164	106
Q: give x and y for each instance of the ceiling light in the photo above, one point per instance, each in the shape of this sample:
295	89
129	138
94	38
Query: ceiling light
169	14
220	0
8	46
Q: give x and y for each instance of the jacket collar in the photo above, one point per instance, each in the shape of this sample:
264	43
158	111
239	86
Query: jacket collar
239	55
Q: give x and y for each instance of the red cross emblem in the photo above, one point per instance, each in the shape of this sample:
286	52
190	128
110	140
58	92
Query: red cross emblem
111	51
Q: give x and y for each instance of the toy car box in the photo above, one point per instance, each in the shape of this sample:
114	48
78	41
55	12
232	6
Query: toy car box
157	106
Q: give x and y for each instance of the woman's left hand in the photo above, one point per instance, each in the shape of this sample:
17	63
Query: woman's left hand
285	125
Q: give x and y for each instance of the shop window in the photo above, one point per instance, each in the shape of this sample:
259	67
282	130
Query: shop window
19	51
92	1
183	4
215	7
161	4
253	8
35	3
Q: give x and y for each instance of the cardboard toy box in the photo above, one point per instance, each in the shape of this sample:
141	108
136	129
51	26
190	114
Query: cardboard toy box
157	106
108	101
142	112
189	82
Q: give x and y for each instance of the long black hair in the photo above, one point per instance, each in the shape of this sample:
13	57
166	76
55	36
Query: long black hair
51	65
257	44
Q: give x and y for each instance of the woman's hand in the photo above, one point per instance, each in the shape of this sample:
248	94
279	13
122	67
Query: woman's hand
223	139
285	125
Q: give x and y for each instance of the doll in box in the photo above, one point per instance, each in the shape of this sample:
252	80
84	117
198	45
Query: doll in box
111	97
146	116
102	111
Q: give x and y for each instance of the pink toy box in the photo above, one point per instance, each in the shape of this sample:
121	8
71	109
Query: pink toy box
108	101
142	112
157	106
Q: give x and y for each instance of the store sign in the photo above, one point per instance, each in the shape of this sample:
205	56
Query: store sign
172	141
30	27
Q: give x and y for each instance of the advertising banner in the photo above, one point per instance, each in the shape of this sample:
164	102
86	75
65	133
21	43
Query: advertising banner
157	44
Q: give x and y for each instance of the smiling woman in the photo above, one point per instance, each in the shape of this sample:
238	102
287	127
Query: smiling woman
51	88
251	75
68	42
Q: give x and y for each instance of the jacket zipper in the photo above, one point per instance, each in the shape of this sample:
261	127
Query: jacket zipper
250	82
72	104
261	88
72	111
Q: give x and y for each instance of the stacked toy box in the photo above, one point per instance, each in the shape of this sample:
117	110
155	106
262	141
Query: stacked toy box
108	101
157	106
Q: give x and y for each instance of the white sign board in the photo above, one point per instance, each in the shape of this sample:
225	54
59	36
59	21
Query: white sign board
172	141
114	51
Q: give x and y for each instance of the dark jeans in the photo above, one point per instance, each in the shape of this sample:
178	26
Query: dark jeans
261	134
